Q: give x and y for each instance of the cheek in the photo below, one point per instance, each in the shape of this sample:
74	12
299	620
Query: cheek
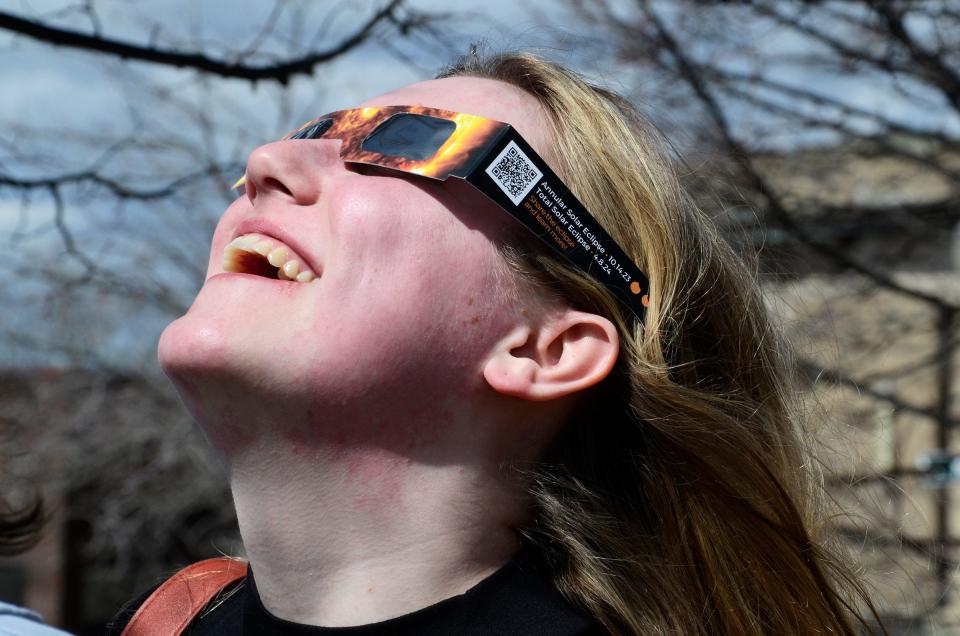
409	295
430	274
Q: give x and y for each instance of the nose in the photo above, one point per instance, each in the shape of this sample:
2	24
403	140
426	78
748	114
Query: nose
290	170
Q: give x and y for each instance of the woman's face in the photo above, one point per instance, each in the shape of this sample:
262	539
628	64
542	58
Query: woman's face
406	302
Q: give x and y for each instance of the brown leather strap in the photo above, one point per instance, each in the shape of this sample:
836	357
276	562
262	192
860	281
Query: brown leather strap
173	606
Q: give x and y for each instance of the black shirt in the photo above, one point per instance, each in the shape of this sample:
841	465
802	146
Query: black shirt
513	600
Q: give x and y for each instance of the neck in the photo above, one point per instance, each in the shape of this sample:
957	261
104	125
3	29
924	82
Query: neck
340	536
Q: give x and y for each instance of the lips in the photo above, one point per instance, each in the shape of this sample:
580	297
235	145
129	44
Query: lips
262	250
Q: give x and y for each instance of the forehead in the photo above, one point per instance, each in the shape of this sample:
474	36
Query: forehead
475	96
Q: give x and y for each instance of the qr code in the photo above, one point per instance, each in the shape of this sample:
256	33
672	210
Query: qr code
514	173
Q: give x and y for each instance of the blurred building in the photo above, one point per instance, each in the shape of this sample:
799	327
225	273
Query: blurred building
884	365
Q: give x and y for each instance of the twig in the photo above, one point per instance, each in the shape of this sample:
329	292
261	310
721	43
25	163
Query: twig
280	72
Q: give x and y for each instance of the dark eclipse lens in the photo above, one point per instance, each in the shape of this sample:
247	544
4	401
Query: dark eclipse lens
315	131
411	136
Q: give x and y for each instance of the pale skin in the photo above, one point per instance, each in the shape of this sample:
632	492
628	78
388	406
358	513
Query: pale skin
364	418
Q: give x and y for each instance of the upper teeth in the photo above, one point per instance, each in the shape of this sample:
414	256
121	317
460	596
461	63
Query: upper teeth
289	265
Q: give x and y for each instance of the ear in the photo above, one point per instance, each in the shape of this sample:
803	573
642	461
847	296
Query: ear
569	352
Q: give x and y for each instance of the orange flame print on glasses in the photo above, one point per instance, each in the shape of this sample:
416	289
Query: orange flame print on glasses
455	156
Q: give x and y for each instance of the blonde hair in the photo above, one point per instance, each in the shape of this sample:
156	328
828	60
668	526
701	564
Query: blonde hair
681	498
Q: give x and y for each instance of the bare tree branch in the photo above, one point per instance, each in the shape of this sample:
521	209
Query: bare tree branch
690	74
755	80
60	222
116	188
265	31
279	72
818	374
945	78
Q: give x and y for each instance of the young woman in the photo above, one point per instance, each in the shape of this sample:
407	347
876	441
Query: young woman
441	425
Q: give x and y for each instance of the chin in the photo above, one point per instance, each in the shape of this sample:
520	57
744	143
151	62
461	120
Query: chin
195	358
188	346
205	354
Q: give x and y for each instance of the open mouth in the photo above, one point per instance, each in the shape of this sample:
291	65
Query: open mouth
266	256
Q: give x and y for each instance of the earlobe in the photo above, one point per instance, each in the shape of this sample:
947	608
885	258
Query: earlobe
571	351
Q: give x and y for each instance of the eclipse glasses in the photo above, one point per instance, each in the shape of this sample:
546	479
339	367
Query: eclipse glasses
495	159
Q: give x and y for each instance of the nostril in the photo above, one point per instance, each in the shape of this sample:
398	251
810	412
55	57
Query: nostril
276	184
